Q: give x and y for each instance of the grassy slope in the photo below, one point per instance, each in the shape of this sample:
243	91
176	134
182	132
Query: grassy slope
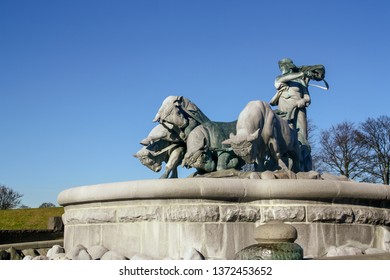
31	218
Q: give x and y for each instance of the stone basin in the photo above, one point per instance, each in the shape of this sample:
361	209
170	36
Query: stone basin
217	216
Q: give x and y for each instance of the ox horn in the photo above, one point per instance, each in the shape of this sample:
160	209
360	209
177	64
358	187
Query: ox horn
147	141
157	118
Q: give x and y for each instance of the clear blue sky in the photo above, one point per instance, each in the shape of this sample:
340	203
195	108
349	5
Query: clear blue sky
80	81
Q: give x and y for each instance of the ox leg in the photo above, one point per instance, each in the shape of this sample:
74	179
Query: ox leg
295	158
275	153
223	159
174	161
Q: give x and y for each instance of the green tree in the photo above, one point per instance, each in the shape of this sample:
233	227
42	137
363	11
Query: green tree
46	205
9	198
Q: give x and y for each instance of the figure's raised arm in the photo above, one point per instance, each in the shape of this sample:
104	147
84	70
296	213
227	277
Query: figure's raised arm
282	79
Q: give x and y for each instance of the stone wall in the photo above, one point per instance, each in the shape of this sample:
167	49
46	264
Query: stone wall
217	217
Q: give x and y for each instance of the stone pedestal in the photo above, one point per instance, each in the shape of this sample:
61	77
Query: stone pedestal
217	216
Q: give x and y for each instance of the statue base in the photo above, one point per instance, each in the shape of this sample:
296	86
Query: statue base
217	216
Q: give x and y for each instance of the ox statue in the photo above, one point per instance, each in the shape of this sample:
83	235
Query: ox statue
261	134
205	150
160	146
180	113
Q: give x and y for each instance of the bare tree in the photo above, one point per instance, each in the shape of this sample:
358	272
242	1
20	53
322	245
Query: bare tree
375	134
9	198
312	136
341	151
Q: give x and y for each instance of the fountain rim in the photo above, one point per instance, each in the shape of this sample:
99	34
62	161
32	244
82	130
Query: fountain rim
225	189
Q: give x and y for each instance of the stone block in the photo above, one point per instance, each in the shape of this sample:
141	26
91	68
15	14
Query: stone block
191	213
129	242
96	252
371	216
242	213
87	235
382	238
191	235
249	214
343	251
329	214
111	255
229	213
355	235
315	238
161	239
224	240
139	213
90	216
283	213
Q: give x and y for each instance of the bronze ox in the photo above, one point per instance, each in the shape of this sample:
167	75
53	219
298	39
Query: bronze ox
161	146
261	134
204	149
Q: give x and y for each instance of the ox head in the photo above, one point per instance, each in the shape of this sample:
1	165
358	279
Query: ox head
161	132
171	112
151	155
146	157
243	145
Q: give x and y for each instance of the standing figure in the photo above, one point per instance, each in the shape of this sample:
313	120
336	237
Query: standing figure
292	98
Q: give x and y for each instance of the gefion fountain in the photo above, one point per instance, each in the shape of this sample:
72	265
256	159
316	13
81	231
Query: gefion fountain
217	210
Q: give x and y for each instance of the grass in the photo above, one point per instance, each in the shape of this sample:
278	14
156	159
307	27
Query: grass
30	218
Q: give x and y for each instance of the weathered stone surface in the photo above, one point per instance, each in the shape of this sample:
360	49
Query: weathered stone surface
191	213
275	232
372	251
236	213
111	255
268	175
334	251
60	256
56	249
96	252
40	258
74	252
283	213
331	177
55	223
229	213
227	234
312	175
90	216
382	240
326	214
140	257
371	216
140	213
83	255
4	255
249	214
193	254
15	254
30	252
43	251
315	238
28	258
